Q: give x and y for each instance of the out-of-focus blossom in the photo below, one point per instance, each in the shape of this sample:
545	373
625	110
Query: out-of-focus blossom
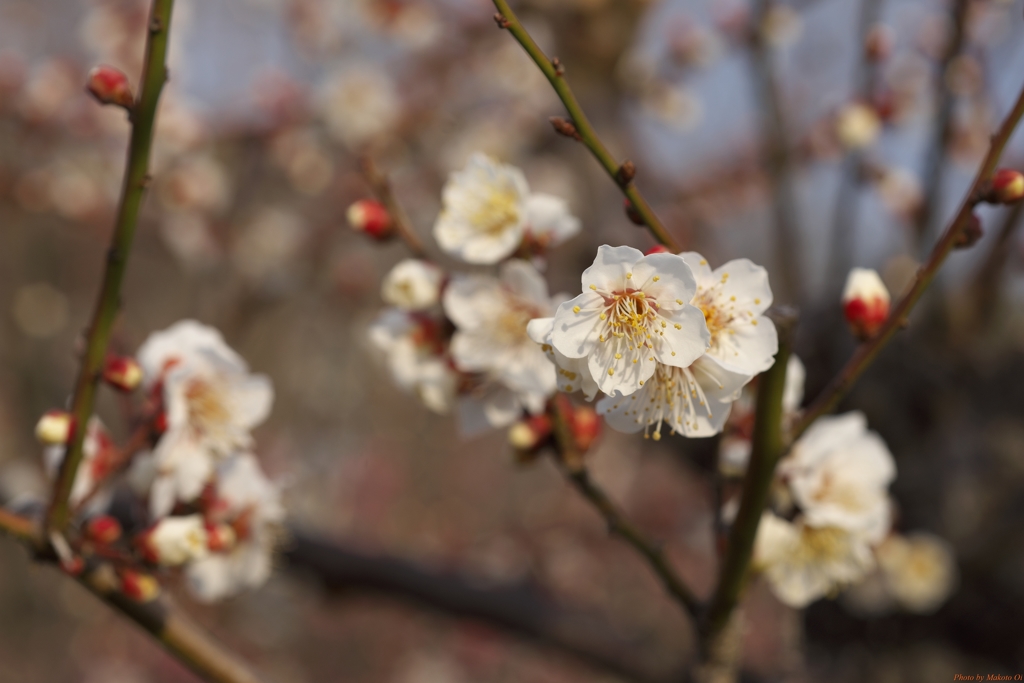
50	88
857	125
138	586
489	209
197	182
487	403
359	103
102	529
369	216
1006	187
839	473
249	504
865	302
733	298
919	571
305	159
174	541
804	563
879	41
413	285
571	374
269	245
900	191
210	402
99	457
189	238
491	317
414	347
634	313
673	105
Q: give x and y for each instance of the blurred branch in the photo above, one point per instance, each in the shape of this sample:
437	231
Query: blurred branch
570	462
381	188
845	212
867	351
136	179
942	131
184	639
719	655
523	607
777	158
984	290
581	127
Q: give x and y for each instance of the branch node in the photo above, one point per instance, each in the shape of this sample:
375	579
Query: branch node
500	20
559	68
565	127
627	171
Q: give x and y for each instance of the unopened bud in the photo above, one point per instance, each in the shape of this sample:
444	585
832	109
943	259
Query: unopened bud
564	127
857	125
530	434
103	530
174	541
586	427
122	373
657	249
110	86
54	428
138	586
624	176
632	213
969	234
371	218
220	538
1006	187
865	303
73	565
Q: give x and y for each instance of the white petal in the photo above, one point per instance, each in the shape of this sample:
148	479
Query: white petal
611	267
548	217
681	336
576	333
525	282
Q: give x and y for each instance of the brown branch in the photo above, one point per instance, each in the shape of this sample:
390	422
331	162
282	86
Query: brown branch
554	71
381	188
868	351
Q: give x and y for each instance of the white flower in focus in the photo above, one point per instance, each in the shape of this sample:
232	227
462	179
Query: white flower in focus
210	400
634	313
803	563
693	401
485	211
175	541
857	126
413	285
838	472
99	457
491	317
571	374
734	298
250	504
414	348
918	570
359	103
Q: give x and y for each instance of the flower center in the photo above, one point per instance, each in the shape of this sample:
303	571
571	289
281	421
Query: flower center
498	211
206	410
630	315
821	544
717	318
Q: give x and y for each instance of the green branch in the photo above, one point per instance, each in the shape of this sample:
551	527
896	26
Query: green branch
582	129
136	179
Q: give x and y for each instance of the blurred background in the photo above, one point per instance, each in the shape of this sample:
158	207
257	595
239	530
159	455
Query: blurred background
810	136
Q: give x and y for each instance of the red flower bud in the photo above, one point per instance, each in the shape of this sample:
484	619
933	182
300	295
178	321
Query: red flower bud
586	427
220	537
865	303
969	234
530	434
370	217
1006	187
103	530
122	373
138	586
657	249
110	86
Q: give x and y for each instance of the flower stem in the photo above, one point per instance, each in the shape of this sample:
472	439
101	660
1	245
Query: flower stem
767	448
381	188
868	351
136	179
616	520
554	73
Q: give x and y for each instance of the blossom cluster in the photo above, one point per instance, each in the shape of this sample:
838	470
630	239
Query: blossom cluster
201	501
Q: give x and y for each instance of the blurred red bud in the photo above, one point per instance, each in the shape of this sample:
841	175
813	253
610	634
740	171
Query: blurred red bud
530	434
370	217
138	586
865	303
1006	187
657	249
55	427
110	86
969	234
103	530
123	373
586	427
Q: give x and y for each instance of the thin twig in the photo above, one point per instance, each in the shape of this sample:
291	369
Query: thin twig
775	138
18	527
381	188
136	179
867	351
942	131
617	522
623	173
766	449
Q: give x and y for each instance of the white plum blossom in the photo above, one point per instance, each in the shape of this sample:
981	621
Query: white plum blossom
250	504
838	473
488	210
634	313
491	316
918	570
693	401
571	374
413	285
359	103
491	404
210	401
414	350
175	541
803	563
734	298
